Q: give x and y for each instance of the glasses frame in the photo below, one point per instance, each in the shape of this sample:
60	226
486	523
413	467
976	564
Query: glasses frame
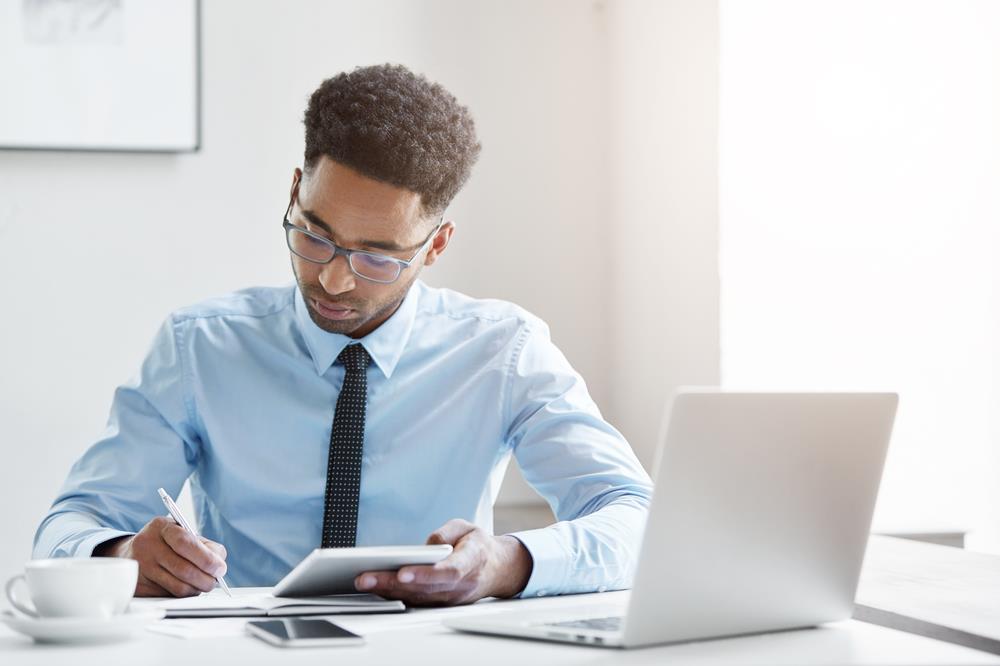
401	264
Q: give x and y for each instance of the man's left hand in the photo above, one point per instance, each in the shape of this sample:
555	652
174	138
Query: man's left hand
481	565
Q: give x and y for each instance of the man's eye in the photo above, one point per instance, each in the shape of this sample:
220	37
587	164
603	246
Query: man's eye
315	241
373	260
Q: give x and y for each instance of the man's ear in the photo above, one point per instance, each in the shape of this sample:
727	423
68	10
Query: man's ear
440	242
296	180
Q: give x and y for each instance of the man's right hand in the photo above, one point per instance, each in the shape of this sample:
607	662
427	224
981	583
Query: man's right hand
171	561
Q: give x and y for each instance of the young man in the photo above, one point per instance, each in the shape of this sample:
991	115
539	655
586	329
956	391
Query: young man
359	406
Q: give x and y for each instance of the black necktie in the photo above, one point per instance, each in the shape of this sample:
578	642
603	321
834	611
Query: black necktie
347	439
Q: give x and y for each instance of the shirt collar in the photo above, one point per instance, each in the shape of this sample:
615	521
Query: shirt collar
385	344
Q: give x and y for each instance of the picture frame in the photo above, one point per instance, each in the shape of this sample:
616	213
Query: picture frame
100	75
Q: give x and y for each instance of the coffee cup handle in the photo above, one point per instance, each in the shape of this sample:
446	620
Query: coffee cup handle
12	598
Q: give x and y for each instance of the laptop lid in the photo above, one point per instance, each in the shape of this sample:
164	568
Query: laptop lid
760	513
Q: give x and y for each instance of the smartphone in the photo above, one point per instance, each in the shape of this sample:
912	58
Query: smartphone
295	632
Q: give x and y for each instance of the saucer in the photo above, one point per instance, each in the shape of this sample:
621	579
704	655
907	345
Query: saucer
80	630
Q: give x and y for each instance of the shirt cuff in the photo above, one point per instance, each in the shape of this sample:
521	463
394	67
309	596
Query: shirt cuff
85	547
549	562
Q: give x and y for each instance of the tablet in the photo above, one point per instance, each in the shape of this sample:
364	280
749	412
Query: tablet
333	570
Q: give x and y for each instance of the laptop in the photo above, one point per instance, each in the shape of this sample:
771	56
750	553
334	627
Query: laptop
758	522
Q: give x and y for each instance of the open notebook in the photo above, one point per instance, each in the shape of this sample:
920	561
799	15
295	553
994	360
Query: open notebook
259	602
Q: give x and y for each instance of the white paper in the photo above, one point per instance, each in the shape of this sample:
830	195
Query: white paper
243	597
205	627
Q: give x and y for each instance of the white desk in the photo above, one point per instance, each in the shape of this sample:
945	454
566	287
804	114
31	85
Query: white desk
417	638
931	590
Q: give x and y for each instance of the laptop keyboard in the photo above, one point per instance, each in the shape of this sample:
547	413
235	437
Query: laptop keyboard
598	623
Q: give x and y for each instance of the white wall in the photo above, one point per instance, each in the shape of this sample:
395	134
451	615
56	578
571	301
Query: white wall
665	227
859	202
96	249
600	167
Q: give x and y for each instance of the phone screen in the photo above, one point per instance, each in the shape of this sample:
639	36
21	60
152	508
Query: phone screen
295	629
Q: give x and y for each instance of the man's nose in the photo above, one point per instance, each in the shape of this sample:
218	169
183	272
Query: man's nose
337	276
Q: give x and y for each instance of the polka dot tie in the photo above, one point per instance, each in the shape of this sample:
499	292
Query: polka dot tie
347	439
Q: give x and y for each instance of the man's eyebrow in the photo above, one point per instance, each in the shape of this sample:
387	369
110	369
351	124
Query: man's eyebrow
388	246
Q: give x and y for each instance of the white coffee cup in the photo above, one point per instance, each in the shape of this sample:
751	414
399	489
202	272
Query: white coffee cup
92	587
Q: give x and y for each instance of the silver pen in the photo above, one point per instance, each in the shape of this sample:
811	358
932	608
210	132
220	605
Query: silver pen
178	517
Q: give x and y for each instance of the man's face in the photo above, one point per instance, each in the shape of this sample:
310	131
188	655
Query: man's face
358	213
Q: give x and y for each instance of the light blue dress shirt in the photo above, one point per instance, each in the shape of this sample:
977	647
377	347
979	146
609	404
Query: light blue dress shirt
238	394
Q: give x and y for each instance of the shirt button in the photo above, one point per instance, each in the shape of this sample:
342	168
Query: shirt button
602	588
540	593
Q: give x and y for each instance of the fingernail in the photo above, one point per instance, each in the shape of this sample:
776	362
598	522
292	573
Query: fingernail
366	583
405	576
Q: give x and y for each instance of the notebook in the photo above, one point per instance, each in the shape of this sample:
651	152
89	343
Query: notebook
259	602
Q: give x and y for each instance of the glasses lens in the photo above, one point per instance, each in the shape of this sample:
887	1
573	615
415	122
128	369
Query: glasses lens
308	247
380	269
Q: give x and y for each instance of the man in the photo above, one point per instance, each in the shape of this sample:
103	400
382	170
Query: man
360	406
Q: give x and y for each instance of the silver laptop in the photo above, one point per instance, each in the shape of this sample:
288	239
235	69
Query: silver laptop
758	522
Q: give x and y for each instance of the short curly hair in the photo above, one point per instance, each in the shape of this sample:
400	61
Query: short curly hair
394	126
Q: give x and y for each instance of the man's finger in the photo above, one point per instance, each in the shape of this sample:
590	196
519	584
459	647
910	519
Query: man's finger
446	573
386	584
465	559
185	571
370	581
466	556
426	579
426	595
450	532
169	582
431	598
216	548
193	550
147	588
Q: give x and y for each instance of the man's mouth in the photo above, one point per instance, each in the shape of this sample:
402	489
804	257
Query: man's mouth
332	310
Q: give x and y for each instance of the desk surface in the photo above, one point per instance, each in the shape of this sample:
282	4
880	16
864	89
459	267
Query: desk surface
417	638
936	591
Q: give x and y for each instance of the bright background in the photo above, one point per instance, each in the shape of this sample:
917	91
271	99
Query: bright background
762	194
860	163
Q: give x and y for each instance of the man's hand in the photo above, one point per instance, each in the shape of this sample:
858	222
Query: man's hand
481	565
171	561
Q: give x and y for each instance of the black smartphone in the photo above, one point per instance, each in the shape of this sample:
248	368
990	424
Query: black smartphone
296	632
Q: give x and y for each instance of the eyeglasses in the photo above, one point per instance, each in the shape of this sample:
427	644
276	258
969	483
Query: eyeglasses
368	265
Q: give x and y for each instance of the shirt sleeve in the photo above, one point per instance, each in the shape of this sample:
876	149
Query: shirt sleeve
149	442
584	469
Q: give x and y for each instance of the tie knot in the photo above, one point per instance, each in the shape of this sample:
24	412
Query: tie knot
354	357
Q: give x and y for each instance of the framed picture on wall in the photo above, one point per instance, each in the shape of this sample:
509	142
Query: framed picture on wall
106	75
